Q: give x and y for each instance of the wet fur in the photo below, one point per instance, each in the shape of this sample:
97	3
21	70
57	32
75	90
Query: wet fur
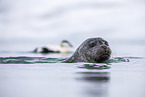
93	50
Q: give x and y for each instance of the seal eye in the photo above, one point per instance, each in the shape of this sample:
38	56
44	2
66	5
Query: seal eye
92	44
107	43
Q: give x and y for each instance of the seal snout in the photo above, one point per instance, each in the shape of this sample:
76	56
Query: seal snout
105	50
103	54
102	58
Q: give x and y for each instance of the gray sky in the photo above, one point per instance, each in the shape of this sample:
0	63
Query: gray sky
72	19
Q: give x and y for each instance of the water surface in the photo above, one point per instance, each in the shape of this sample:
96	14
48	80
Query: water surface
45	76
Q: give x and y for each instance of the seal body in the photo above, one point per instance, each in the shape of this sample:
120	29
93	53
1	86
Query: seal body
92	50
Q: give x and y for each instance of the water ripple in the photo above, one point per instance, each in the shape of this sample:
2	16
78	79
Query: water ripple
28	60
34	60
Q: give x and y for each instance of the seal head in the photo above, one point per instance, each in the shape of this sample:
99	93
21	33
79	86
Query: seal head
92	50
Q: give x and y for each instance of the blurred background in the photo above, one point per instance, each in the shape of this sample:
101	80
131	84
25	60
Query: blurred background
26	24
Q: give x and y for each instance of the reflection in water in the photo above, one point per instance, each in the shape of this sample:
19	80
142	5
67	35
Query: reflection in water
95	78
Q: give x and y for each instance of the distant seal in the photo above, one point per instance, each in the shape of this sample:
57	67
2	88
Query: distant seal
92	50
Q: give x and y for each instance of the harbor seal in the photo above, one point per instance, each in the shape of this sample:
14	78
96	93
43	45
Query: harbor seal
92	50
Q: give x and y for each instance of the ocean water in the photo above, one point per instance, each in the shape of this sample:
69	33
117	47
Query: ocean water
37	75
27	24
